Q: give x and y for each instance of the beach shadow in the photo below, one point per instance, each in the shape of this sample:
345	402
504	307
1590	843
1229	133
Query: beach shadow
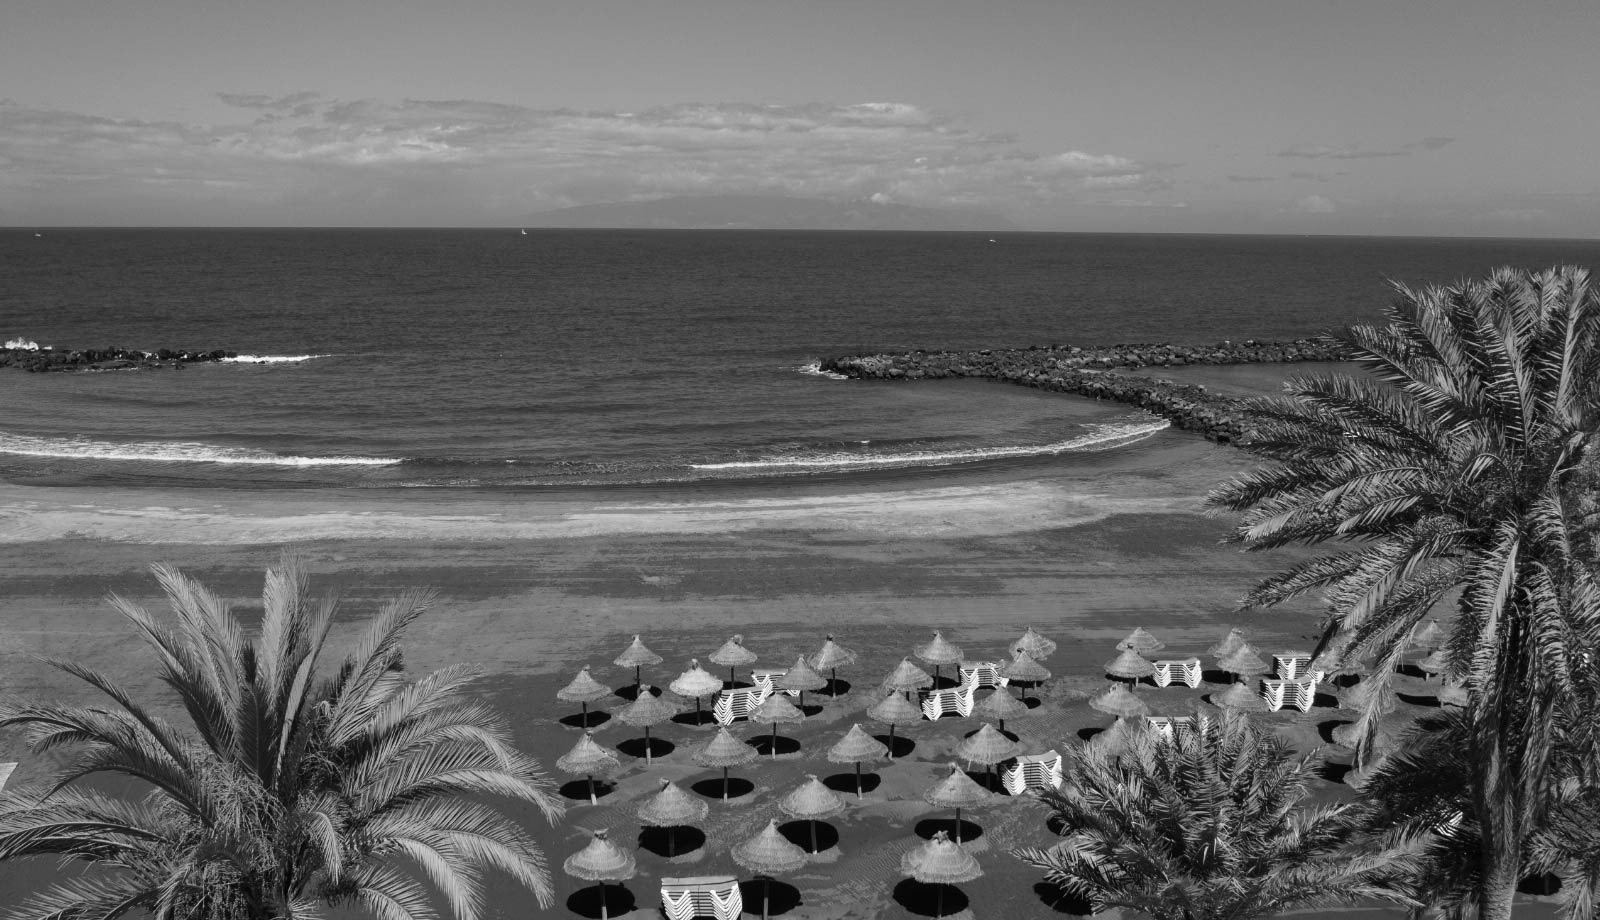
1058	825
736	685
846	782
810	710
712	788
989	781
695	719
576	720
900	747
927	900
1325	701
799	834
1334	772
1345	681
781	897
1545	884
671	841
1032	702
927	827
1426	702
945	682
1216	676
1411	670
1085	734
765	747
1325	729
578	789
1061	902
836	686
636	747
1011	735
586	902
630	692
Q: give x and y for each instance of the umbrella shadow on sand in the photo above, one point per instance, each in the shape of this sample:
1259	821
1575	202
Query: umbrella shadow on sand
1086	734
585	720
1060	902
837	686
923	898
782	897
586	902
799	834
695	718
901	746
764	745
712	788
672	841
846	782
968	831
636	747
578	789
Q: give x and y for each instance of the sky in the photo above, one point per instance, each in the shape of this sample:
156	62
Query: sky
1405	117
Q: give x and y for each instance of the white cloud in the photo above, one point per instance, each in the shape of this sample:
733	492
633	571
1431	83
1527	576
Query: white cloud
1315	204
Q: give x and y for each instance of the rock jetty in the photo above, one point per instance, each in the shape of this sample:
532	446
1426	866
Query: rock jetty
42	360
1100	372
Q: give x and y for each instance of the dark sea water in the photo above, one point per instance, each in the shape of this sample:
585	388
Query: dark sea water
566	358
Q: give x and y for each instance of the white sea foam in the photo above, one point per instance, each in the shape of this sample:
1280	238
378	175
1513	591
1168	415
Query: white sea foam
815	370
167	452
1101	437
270	359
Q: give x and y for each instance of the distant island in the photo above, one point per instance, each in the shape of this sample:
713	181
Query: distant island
766	212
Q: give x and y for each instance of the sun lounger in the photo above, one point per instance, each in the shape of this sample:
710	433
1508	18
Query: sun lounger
1300	694
1032	771
982	674
764	677
1186	670
1167	728
1291	667
738	704
702	896
957	700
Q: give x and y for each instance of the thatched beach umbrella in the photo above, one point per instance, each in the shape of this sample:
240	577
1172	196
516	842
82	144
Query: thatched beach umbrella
1142	642
1361	696
768	854
584	689
858	747
588	759
1000	706
673	808
832	656
723	751
800	678
1119	738
939	652
1453	694
893	710
988	747
696	682
1034	644
1231	641
733	654
1130	666
958	791
600	862
1244	661
1241	698
774	709
646	710
1024	669
1428	638
637	656
1435	664
940	862
1118	700
907	678
812	803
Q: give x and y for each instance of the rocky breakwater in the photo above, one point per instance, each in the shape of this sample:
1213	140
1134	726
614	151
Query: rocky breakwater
1100	372
43	360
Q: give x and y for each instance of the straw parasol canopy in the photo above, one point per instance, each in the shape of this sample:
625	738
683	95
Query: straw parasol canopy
958	791
1118	700
907	677
732	654
724	751
588	759
1452	694
832	656
1428	638
600	862
800	678
673	808
1141	641
774	709
1117	739
893	710
646	710
1436	663
1231	641
1130	665
940	862
811	802
986	746
1023	667
696	682
584	689
636	656
858	747
1241	698
768	854
1034	644
1244	661
1358	697
1000	706
939	652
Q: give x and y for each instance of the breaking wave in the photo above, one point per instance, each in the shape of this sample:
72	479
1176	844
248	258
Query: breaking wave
270	359
167	452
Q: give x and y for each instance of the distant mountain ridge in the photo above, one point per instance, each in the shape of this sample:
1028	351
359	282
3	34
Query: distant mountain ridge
766	212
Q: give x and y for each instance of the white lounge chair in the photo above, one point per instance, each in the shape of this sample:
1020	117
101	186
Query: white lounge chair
702	896
1032	771
1186	670
733	705
982	674
956	699
764	678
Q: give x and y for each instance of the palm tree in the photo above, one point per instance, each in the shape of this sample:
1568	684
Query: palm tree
1207	826
1449	468
282	788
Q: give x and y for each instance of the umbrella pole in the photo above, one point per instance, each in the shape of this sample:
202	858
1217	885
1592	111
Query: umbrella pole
833	681
766	895
592	799
891	740
585	704
958	825
672	840
813	835
731	681
647	745
638	681
858	779
604	914
773	752
937	912
724	784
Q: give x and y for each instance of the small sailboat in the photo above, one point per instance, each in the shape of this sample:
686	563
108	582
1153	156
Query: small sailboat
524	231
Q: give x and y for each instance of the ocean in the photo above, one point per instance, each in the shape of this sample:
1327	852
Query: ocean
593	359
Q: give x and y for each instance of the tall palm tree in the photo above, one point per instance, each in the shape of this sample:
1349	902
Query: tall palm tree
1448	467
282	788
1207	826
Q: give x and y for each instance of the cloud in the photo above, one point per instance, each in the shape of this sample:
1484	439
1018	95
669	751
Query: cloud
1356	152
1433	143
1233	178
1315	204
1313	176
382	160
